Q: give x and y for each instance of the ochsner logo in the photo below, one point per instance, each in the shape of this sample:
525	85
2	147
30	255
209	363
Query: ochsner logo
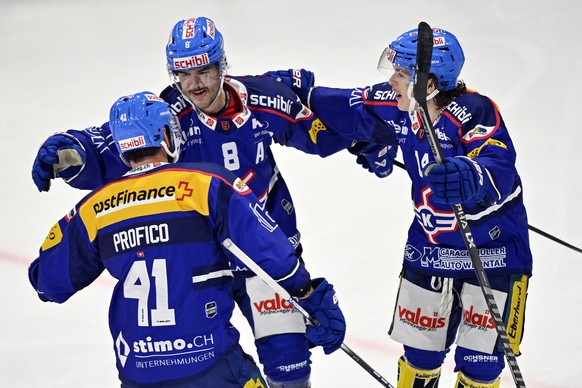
134	142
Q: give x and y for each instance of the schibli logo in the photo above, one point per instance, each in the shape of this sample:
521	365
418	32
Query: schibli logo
480	321
270	306
134	142
391	55
383	95
188	29
417	318
210	29
153	97
439	41
460	112
274	102
190	62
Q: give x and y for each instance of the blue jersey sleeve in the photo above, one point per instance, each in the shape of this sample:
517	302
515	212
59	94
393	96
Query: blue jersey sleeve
344	111
67	262
103	163
241	218
292	123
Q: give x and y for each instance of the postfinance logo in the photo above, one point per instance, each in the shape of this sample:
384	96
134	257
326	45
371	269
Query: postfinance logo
163	192
183	191
127	197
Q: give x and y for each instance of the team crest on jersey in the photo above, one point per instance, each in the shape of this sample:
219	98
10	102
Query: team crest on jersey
433	222
240	186
478	133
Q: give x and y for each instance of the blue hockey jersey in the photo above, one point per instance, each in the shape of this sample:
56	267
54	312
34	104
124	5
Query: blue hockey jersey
472	126
265	111
158	231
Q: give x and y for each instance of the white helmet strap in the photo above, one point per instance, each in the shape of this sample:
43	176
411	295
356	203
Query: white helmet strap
412	105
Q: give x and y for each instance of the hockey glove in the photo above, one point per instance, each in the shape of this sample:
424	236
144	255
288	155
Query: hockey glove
299	80
376	158
322	304
59	156
458	180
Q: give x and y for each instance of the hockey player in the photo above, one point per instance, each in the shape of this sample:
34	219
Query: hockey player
439	297
231	121
158	230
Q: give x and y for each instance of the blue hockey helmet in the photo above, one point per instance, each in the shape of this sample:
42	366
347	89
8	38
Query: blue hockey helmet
446	62
195	43
139	121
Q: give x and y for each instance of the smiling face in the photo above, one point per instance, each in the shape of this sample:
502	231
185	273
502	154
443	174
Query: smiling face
203	87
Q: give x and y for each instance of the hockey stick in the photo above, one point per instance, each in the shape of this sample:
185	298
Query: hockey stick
555	239
235	250
530	227
423	60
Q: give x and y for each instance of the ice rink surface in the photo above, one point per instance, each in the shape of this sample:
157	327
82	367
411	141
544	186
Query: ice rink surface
65	62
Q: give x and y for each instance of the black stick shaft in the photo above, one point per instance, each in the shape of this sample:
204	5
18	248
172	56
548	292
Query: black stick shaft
423	59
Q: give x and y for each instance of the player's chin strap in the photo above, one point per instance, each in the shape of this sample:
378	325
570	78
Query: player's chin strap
173	155
412	104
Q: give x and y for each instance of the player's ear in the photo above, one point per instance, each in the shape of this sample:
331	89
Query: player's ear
431	85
